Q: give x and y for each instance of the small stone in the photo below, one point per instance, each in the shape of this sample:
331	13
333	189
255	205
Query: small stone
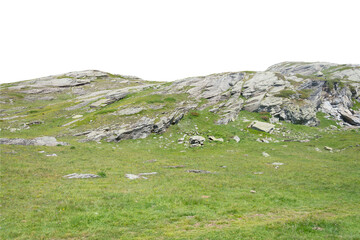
252	191
177	166
146	174
265	154
328	148
212	138
258	173
277	163
317	149
196	141
76	175
51	155
197	171
204	196
236	138
77	116
132	176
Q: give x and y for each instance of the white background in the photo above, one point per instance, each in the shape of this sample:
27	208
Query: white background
168	40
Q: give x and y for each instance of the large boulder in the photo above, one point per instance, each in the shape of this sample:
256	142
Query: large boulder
262	126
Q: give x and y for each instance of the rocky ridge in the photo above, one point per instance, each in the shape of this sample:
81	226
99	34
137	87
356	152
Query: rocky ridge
117	107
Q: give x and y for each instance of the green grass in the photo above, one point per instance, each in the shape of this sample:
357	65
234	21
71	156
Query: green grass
356	105
313	190
105	111
285	93
305	93
314	195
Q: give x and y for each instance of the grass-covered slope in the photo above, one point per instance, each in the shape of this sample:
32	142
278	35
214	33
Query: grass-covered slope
314	195
300	191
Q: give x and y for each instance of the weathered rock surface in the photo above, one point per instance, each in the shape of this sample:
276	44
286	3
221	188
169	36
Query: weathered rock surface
262	126
212	138
290	91
80	175
39	141
129	111
198	171
196	141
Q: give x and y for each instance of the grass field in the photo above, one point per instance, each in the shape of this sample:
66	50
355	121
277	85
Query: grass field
314	195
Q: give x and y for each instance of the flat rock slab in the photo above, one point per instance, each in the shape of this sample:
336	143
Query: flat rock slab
80	175
129	111
77	116
212	138
177	166
262	126
197	171
39	141
277	163
140	175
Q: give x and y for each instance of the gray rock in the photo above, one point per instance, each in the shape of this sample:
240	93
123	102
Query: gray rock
265	154
129	111
236	138
197	171
305	115
196	141
212	138
39	141
293	68
348	117
262	126
132	176
140	175
328	148
277	163
52	155
77	175
36	122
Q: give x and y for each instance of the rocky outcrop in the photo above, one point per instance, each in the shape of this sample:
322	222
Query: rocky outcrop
290	91
305	115
303	68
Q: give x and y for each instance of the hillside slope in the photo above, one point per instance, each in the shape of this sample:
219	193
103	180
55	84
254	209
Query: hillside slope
101	106
180	160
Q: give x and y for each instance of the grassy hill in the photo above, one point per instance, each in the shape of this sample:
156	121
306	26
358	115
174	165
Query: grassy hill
307	188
